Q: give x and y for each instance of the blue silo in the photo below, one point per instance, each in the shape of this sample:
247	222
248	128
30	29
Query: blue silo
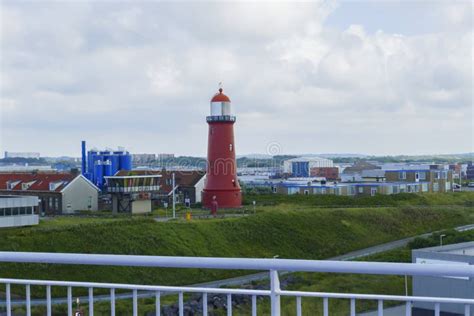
90	162
108	168
115	163
126	161
99	173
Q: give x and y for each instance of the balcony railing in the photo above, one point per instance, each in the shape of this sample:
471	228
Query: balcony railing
273	266
221	118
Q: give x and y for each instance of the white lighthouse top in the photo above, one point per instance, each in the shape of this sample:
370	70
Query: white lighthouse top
220	104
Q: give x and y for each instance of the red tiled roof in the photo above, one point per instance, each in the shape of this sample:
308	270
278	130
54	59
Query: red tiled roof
39	181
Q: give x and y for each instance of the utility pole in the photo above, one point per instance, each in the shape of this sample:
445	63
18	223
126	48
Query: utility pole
441	239
174	197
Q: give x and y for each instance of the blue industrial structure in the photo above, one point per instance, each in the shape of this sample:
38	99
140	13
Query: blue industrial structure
300	168
97	164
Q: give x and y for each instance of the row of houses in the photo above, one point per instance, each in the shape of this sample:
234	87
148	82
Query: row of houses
395	181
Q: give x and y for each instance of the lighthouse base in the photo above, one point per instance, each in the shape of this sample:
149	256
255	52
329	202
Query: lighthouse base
225	199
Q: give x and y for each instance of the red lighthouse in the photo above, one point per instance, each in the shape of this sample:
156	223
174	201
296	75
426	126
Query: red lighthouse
222	184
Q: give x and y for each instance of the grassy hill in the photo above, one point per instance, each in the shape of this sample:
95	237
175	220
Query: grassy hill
290	230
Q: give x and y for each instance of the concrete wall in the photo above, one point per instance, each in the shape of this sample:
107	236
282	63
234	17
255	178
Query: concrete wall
19	220
78	195
199	187
141	206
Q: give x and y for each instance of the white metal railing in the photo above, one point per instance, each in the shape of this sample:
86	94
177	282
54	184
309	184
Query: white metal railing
271	265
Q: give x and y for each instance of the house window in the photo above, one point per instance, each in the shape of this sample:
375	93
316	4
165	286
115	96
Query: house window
274	189
422	175
373	191
437	175
50	202
403	188
306	192
402	175
424	187
395	189
435	187
361	190
444	175
351	190
323	190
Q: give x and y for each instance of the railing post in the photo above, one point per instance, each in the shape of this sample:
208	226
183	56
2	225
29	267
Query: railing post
158	303
467	310
112	302
229	304
69	301
254	305
48	300
274	293
204	304
380	308
181	304
298	306
91	301
353	307
135	302
8	299
408	309
325	306
28	300
437	309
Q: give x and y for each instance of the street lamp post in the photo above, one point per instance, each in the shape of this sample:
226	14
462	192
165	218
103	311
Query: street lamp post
441	239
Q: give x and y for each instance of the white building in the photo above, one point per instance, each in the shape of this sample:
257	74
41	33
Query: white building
18	211
301	166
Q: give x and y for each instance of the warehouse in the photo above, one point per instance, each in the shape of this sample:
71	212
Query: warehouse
302	166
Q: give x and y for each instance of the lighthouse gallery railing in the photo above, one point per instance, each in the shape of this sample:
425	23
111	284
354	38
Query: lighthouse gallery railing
273	266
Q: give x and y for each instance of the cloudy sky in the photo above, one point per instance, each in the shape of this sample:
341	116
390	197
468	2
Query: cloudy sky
317	77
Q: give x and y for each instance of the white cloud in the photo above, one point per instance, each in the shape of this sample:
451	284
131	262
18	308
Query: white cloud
141	75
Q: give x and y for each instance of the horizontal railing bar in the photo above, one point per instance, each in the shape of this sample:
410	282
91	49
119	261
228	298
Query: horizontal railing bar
137	287
242	264
378	297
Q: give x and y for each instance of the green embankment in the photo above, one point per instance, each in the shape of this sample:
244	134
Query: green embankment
290	230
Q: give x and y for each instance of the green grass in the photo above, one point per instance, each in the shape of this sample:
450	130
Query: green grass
404	199
306	227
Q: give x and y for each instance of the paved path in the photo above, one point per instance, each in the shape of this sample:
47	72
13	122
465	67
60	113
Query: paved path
390	311
237	281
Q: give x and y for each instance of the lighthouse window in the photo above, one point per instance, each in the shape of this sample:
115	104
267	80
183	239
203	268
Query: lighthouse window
230	147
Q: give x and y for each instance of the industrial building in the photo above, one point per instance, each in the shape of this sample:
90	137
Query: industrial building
155	187
58	193
302	166
446	286
16	211
143	158
132	192
330	173
98	164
